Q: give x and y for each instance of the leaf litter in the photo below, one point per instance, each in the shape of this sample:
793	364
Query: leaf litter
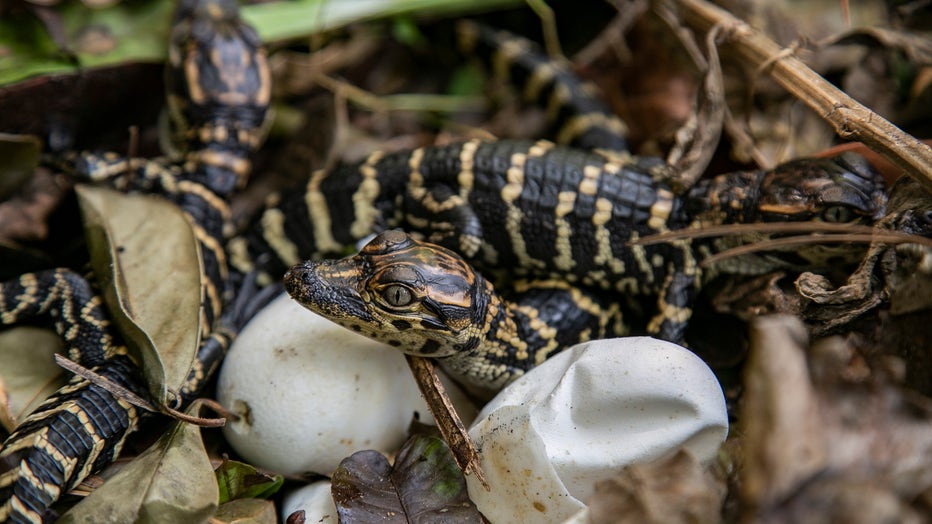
823	425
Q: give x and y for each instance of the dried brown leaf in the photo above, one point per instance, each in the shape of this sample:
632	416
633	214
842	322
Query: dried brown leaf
28	373
860	450
670	491
139	244
780	419
245	511
424	485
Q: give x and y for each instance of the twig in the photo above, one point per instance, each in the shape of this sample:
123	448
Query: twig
125	394
451	427
202	422
777	243
548	24
850	119
113	388
401	102
612	37
754	228
697	139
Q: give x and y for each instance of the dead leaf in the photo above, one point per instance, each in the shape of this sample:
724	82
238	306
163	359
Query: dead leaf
916	46
24	217
783	444
425	485
828	438
147	263
673	490
245	511
28	374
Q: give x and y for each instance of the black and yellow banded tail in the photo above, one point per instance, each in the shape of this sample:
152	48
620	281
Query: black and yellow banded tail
219	89
82	427
578	115
76	310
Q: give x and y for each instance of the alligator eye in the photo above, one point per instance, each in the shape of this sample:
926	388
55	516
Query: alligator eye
397	295
838	214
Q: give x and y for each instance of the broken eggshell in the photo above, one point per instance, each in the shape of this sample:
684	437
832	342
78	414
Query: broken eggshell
310	393
583	415
316	502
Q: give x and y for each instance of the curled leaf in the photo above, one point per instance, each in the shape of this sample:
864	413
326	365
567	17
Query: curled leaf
242	481
147	263
425	485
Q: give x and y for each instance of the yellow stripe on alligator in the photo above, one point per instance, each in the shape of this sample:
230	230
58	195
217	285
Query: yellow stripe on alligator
364	198
580	124
319	214
566	202
466	177
510	192
540	77
273	232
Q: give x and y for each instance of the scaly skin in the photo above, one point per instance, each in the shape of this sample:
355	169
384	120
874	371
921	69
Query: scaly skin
219	86
547	211
429	302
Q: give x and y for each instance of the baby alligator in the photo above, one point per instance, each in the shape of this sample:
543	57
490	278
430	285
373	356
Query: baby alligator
545	211
430	302
219	87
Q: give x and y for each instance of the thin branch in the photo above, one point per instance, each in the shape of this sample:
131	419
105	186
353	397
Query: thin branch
448	421
113	388
850	119
756	227
773	244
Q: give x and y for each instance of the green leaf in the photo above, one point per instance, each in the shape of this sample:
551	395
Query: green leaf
120	33
301	18
123	32
246	511
27	50
405	30
147	263
424	486
468	80
241	481
138	31
172	481
28	373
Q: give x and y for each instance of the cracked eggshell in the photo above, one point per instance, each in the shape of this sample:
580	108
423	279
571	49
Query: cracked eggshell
312	393
583	415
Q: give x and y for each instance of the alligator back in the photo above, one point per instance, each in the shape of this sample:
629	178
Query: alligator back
538	208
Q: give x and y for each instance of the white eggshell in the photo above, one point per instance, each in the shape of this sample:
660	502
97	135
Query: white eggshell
585	414
312	393
315	500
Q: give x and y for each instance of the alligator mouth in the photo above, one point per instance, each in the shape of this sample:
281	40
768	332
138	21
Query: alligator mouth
328	288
